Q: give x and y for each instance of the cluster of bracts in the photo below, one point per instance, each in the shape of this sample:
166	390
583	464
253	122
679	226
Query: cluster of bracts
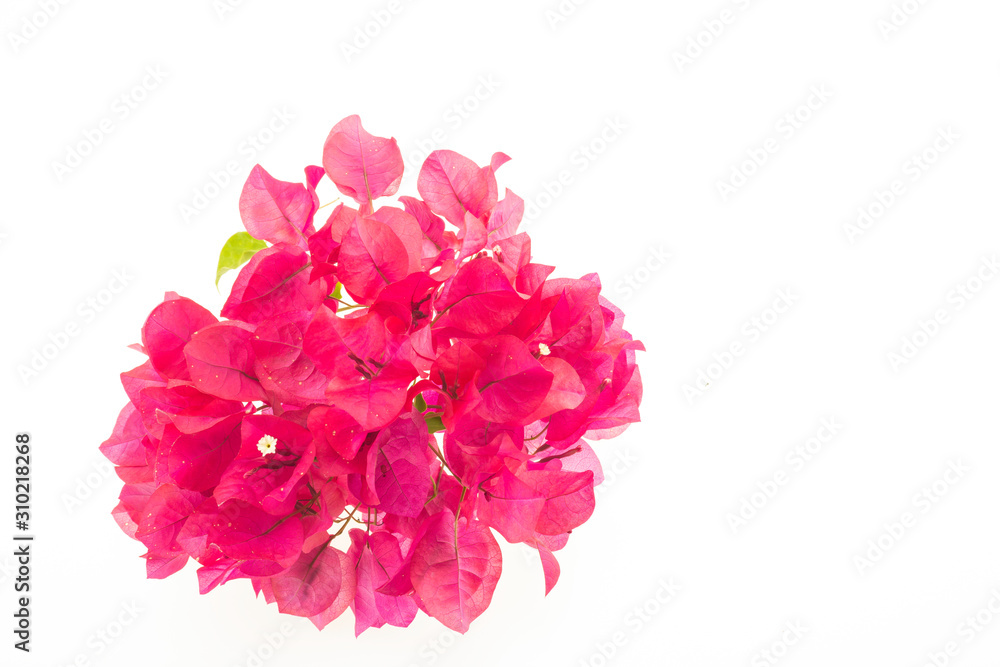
414	384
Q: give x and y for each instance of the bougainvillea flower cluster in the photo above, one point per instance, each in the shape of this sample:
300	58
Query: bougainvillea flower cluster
401	374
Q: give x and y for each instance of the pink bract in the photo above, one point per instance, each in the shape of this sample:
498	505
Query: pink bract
402	369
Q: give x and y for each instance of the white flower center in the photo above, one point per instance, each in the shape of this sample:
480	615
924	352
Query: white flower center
544	350
267	445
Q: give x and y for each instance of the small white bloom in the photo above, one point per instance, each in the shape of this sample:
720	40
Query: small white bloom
267	445
544	350
496	250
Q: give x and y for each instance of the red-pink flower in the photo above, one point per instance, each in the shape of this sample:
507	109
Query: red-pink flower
405	371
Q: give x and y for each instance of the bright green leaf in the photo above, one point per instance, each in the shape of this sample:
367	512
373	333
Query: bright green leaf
238	250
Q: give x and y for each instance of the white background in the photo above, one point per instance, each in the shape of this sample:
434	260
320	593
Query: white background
678	129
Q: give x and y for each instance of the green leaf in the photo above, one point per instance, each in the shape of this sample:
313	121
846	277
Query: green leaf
238	250
338	291
434	423
420	403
